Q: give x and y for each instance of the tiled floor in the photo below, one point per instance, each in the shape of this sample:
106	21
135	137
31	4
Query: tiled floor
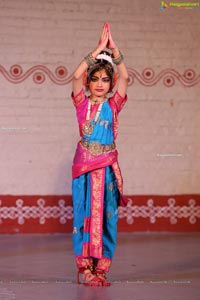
146	266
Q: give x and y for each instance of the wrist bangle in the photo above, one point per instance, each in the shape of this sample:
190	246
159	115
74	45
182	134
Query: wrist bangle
90	60
119	59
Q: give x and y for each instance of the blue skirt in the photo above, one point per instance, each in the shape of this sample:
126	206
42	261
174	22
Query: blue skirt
87	233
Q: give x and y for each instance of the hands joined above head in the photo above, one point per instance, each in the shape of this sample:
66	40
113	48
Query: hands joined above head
106	40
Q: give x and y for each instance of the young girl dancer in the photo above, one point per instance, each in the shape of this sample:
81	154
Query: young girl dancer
97	180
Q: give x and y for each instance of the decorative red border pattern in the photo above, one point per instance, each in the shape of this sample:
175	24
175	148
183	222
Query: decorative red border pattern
49	214
169	76
39	73
60	76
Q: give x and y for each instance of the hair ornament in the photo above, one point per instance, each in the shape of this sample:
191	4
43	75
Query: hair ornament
105	57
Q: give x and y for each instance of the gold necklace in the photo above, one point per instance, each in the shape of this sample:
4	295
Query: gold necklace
96	101
88	127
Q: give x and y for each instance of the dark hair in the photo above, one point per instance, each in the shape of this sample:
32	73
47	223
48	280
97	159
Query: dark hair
101	64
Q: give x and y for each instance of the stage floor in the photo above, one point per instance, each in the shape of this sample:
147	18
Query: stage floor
146	266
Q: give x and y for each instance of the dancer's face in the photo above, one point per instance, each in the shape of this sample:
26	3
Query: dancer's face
99	84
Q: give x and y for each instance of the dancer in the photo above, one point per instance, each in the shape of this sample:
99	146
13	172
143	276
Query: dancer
97	181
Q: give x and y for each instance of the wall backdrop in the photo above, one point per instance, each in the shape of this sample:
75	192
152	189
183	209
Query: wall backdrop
41	43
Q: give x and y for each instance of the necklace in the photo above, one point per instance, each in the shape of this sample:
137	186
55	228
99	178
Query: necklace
96	101
88	127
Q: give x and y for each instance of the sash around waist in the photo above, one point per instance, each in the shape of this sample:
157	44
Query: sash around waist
92	156
85	161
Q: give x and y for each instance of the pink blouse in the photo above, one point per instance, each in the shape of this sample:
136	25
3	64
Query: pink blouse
80	101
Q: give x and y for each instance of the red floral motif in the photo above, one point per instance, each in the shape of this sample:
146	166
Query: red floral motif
38	77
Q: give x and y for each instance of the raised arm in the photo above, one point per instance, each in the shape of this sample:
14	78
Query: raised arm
121	67
78	73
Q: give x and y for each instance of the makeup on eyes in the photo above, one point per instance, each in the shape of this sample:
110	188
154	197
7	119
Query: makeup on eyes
103	79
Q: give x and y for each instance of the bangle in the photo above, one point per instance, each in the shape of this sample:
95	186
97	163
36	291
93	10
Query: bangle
118	59
90	60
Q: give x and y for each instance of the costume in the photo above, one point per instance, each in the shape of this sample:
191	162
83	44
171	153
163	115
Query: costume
97	182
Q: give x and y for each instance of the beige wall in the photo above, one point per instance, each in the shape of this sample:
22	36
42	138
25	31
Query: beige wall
159	127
